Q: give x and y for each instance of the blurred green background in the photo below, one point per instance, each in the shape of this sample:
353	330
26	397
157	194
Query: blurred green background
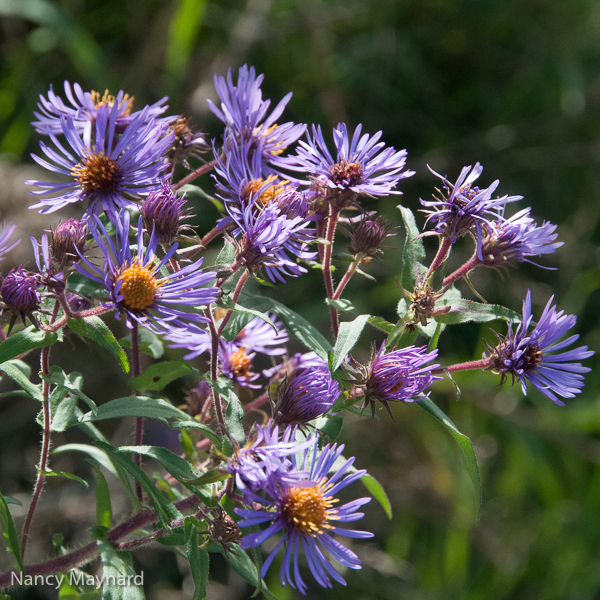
513	84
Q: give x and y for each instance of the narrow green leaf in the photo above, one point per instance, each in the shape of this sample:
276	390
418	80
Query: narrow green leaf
212	476
433	342
136	406
116	568
9	533
227	255
174	464
467	452
17	375
348	336
234	413
97	454
71	383
67	476
165	510
198	559
463	311
96	330
381	324
63	416
25	340
376	489
342	305
103	505
158	376
414	252
330	426
207	431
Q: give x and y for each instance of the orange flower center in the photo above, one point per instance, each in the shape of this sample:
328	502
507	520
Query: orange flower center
109	99
97	173
307	509
138	286
347	173
240	363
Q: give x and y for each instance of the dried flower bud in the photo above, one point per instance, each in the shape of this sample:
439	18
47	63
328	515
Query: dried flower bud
186	141
366	239
68	241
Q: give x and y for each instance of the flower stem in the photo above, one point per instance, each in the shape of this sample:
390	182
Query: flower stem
214	358
462	271
139	422
440	257
484	363
46	435
197	173
345	279
236	294
327	250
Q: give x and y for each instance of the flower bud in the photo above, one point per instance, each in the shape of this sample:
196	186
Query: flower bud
366	239
68	241
163	211
19	292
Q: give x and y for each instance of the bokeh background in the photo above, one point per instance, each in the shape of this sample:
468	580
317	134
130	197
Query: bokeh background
513	84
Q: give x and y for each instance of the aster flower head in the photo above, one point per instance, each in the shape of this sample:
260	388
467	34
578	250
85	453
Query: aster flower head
401	375
107	172
135	284
186	142
363	165
267	454
534	356
293	366
305	512
516	239
51	274
84	107
19	291
268	239
259	336
244	112
236	364
305	397
465	208
366	238
163	210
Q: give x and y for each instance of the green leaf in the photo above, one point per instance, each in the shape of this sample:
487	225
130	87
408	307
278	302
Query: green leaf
25	340
207	431
9	533
226	256
235	411
63	415
149	343
381	324
17	375
71	383
348	336
174	464
116	568
212	476
193	192
463	311
414	252
136	406
342	305
467	452
96	330
242	564
66	476
234	327
330	426
198	559
376	489
84	286
103	505
165	510
158	376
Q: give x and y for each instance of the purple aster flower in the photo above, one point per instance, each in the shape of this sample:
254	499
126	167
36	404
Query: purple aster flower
303	510
466	208
6	245
245	113
19	291
107	171
265	456
51	274
516	238
400	375
268	237
136	285
534	356
295	365
236	364
190	337
85	107
163	210
305	397
362	165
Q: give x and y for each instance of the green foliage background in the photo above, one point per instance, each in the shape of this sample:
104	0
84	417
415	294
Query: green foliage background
513	84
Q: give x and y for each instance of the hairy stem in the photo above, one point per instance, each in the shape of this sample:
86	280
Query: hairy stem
346	278
139	422
327	250
462	271
440	257
236	294
214	360
484	363
46	435
195	174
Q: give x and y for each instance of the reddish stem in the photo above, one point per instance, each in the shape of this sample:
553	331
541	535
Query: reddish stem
139	422
440	257
214	357
462	271
236	294
197	173
345	279
484	363
327	250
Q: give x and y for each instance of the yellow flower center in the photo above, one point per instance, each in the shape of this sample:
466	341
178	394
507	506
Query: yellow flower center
268	195
138	286
308	509
109	99
97	173
240	363
347	173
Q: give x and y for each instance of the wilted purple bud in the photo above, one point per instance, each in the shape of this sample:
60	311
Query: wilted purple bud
305	397
163	211
78	303
368	236
68	241
19	292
